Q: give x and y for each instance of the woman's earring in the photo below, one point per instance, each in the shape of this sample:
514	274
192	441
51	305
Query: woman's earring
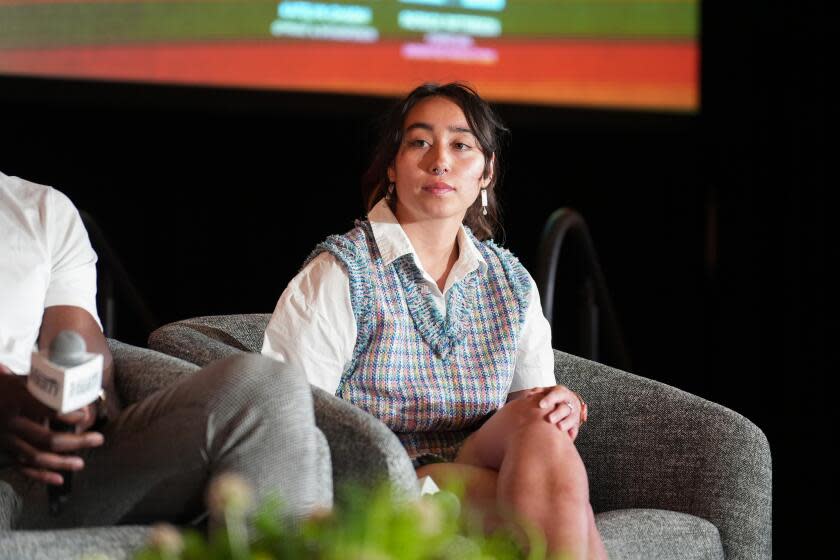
390	194
484	201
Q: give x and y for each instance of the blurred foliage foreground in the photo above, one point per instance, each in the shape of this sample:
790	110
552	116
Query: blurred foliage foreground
369	525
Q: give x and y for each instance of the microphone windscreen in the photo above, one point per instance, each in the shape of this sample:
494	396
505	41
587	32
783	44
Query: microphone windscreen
68	349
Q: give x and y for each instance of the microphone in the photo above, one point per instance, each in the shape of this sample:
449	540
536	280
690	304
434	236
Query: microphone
66	378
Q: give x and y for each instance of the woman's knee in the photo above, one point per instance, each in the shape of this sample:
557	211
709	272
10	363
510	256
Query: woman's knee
544	443
540	463
523	422
534	438
520	426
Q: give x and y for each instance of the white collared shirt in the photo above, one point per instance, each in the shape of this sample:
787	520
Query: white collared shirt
313	328
45	260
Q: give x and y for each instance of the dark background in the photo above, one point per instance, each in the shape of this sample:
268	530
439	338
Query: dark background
711	228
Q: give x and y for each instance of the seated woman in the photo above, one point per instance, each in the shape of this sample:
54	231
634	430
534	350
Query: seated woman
417	317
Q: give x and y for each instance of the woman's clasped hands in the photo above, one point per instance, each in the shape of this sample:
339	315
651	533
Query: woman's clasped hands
565	409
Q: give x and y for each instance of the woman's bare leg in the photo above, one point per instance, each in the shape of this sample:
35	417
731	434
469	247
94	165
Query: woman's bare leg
541	476
596	545
542	480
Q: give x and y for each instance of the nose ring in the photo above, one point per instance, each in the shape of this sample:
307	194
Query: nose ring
438	171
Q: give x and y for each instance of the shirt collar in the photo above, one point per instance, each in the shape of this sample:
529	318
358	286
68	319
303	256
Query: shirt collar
394	243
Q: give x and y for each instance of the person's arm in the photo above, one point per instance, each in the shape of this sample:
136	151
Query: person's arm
534	371
69	303
70	299
313	328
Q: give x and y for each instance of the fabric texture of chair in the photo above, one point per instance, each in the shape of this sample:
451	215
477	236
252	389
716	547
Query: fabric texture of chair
70	544
138	373
671	475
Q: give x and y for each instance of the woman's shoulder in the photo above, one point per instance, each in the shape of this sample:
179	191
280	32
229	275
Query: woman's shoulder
324	264
343	262
505	264
350	249
490	245
489	248
321	274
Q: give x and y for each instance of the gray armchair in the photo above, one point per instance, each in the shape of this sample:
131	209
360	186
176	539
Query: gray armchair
138	372
671	475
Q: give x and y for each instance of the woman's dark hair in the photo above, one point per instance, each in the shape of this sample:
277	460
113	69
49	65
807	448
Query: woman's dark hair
485	125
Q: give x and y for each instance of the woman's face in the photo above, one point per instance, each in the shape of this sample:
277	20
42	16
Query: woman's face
438	169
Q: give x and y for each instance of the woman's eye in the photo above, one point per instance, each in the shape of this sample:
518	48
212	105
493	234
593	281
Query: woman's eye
460	146
418	143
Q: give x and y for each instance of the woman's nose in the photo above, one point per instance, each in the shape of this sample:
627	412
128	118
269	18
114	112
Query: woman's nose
438	163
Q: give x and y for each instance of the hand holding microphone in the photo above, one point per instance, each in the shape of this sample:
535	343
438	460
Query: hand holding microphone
67	379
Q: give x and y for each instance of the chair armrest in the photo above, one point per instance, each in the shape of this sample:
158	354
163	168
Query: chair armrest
649	445
201	340
139	372
185	342
363	450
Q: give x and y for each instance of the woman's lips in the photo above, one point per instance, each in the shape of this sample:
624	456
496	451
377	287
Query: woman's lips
438	188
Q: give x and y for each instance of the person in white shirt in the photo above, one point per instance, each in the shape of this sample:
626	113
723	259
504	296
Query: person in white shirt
418	318
149	461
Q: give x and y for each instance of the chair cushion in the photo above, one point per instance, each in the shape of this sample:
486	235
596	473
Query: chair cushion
116	543
656	534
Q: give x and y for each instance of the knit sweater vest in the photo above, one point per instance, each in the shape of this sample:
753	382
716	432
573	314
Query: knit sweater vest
431	379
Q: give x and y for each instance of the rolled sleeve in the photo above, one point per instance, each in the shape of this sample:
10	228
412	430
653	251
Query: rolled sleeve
73	260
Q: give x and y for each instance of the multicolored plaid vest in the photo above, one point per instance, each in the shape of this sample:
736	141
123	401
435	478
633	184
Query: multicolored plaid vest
429	378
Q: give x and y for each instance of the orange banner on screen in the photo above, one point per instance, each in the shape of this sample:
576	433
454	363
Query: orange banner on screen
651	75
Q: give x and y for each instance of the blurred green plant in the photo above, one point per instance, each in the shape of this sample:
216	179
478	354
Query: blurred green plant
370	525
